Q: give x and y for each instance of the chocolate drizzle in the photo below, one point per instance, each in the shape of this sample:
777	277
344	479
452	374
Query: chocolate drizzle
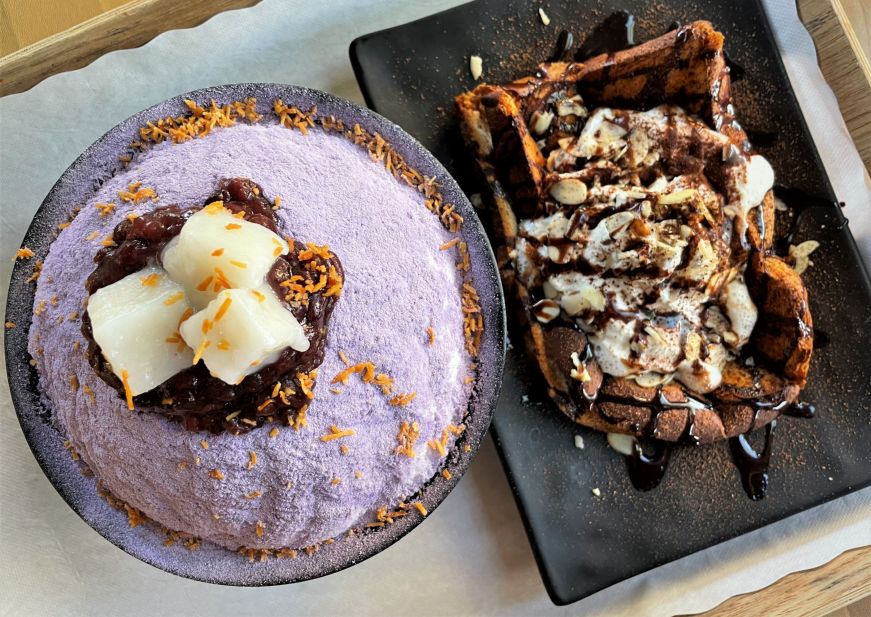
736	71
615	33
564	42
753	465
800	409
646	472
799	203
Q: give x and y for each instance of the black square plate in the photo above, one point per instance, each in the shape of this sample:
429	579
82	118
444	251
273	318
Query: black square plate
584	543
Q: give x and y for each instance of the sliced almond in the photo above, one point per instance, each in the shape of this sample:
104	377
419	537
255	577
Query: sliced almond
678	197
541	121
569	191
624	444
573	106
476	67
546	311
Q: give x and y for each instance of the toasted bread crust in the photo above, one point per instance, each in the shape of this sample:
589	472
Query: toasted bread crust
685	67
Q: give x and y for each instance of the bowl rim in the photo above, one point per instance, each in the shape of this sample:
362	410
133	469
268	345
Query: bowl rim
44	438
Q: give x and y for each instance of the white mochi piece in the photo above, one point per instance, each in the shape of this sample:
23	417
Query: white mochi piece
216	250
135	322
242	330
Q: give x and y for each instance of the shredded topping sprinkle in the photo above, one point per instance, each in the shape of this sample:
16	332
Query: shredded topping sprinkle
174	298
128	393
136	194
337	433
408	435
151	280
402	400
105	209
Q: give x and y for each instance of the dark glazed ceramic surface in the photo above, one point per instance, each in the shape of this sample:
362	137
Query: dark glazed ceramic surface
585	543
210	563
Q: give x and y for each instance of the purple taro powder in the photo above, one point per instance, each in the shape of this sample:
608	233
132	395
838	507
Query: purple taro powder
397	284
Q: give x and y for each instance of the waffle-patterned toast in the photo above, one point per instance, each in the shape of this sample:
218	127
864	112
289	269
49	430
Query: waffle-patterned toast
635	225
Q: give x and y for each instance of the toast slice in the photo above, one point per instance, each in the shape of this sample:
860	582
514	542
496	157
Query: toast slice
634	233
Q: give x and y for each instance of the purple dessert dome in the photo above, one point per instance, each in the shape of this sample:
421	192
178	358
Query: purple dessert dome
399	284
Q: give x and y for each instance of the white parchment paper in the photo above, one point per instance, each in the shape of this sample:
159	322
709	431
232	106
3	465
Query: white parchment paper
471	556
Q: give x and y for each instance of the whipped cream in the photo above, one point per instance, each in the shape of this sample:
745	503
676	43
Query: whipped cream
643	263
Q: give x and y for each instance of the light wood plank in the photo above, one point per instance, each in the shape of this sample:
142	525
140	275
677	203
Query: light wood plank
811	593
859	15
131	25
844	65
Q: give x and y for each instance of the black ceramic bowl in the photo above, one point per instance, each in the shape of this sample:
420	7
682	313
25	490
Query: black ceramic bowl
211	563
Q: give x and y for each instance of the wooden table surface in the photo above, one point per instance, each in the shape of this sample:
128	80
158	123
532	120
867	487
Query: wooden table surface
32	32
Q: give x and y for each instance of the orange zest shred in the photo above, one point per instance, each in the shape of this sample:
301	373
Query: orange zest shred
202	348
402	400
307	382
473	320
214	207
260	297
408	435
337	433
313	250
128	393
447	474
218	252
24	253
221	281
136	194
204	284
437	446
185	316
431	336
420	508
151	280
449	244
174	298
217	474
232	226
334	283
252	460
222	310
367	368
238	264
301	420
104	209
